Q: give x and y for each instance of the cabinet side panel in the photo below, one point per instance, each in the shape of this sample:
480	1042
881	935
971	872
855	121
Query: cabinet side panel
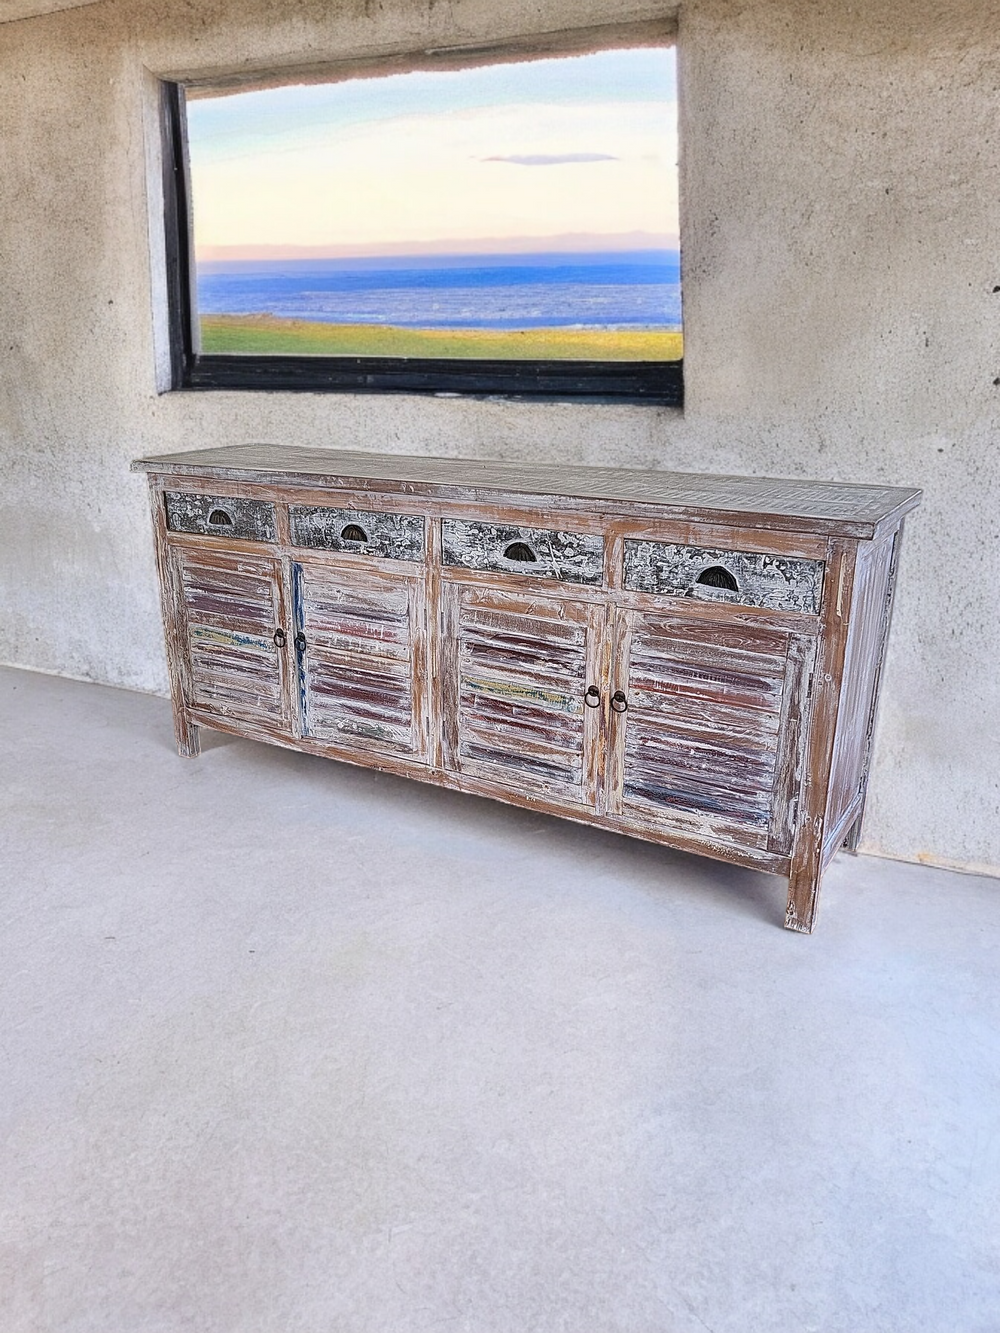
174	633
866	642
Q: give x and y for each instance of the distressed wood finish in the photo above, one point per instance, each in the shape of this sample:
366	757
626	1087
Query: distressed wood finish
554	650
358	654
357	532
832	508
232	610
871	616
518	670
570	557
758	579
807	856
221	516
708	728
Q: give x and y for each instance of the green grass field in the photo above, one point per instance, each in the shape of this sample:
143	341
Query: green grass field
267	336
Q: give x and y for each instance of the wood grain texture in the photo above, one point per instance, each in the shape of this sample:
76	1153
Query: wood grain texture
232	609
569	557
221	516
831	649
518	670
708	737
871	616
525	797
773	581
356	646
357	532
742	731
186	731
598	518
812	506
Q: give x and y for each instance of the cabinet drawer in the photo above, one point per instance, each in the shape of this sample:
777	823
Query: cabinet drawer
359	531
570	557
221	516
745	578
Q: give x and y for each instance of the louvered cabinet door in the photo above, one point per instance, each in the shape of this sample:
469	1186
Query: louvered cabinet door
232	607
516	671
360	649
709	740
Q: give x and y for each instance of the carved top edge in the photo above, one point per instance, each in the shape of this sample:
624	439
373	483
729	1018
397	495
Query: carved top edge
837	508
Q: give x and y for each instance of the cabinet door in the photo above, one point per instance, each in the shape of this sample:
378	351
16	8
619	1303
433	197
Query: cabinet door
516	669
710	742
232	607
360	650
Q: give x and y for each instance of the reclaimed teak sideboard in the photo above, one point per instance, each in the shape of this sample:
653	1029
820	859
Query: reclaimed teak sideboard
693	660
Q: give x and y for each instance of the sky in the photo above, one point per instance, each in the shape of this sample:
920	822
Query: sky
571	153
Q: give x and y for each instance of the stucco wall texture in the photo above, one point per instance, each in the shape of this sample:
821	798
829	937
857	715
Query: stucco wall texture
842	300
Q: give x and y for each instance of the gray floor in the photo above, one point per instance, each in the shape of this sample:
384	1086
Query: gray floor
290	1046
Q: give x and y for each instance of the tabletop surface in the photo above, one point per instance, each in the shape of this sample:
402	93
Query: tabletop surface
833	505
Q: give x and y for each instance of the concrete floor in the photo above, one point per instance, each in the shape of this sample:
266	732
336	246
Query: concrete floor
288	1046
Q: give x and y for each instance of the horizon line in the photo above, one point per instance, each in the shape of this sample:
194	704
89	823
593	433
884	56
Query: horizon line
567	243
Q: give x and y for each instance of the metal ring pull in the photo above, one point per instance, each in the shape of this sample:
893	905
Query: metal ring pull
300	642
592	697
619	703
279	638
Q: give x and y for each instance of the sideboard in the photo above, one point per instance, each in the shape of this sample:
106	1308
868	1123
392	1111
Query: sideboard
692	660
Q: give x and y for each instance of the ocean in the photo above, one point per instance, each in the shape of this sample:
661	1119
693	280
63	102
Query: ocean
638	290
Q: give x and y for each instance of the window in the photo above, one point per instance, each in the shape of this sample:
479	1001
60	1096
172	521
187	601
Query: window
502	229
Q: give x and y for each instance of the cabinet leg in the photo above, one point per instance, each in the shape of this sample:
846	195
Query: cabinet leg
188	736
850	843
803	899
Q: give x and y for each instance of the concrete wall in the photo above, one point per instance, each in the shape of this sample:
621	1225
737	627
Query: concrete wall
842	297
22	9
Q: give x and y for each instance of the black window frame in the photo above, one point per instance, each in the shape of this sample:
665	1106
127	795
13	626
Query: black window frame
658	383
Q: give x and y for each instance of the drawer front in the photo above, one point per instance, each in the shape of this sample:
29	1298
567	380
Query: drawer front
744	578
570	557
221	516
390	536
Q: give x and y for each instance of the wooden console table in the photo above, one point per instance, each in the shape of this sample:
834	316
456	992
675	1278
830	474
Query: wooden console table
693	660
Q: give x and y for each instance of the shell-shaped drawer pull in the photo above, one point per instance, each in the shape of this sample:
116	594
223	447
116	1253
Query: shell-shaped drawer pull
220	519
520	551
717	577
353	532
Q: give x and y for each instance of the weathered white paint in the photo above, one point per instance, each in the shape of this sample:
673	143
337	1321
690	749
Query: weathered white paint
220	516
753	579
569	557
357	531
840	217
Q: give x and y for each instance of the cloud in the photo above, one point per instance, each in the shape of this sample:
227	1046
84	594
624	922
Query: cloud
552	159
